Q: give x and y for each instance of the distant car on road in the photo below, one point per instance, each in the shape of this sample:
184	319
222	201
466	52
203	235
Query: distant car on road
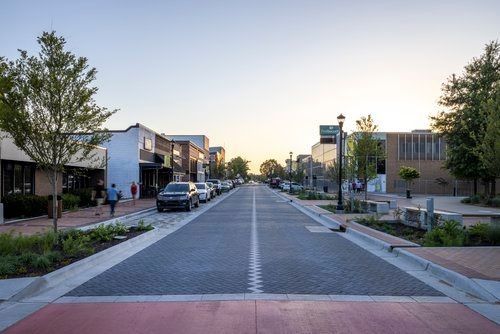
204	191
178	195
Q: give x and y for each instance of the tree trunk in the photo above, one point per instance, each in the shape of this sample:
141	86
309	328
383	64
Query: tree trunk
54	201
493	191
475	186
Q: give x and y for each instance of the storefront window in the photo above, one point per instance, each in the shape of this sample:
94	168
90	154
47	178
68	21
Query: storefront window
17	178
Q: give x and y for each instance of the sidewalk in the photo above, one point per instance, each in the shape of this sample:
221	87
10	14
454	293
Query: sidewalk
73	219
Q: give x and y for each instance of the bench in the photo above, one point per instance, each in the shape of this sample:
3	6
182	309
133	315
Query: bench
377	207
417	217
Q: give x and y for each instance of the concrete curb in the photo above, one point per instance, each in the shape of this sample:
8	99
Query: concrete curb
318	217
117	219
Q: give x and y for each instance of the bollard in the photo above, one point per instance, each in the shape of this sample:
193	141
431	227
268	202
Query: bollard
1	213
430	213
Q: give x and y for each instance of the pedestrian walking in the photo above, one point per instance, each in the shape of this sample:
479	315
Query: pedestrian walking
112	199
358	186
98	195
133	191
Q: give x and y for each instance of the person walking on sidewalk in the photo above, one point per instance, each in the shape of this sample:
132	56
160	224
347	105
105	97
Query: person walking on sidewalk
133	191
98	194
112	198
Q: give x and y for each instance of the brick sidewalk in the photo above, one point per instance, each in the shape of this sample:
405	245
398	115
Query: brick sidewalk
72	219
472	262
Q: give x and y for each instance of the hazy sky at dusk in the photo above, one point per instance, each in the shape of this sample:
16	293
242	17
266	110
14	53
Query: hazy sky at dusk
258	77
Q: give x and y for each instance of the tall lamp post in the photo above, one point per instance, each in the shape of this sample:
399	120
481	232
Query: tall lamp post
340	205
290	172
172	159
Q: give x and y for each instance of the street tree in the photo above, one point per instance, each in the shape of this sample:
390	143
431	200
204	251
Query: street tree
217	170
366	150
408	174
490	147
238	167
47	106
464	120
271	168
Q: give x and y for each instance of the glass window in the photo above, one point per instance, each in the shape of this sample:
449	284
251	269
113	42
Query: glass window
428	147
8	180
401	147
28	179
435	147
18	179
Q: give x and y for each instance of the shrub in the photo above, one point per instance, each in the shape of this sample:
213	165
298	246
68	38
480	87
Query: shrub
118	228
77	247
19	206
495	201
466	200
85	196
475	199
27	258
141	226
8	265
449	234
42	262
70	201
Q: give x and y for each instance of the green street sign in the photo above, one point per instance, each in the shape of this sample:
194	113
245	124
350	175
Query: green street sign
328	130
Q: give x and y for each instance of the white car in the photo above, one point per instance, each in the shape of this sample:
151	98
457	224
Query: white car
204	192
295	186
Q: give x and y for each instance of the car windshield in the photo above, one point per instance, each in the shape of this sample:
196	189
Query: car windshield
176	187
200	185
214	181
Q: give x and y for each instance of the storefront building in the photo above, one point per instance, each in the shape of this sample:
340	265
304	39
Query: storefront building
20	175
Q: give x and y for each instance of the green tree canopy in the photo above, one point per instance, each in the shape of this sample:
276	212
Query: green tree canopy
464	121
47	106
238	167
271	168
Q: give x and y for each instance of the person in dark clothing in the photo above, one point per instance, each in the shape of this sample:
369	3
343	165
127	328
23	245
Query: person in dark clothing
98	194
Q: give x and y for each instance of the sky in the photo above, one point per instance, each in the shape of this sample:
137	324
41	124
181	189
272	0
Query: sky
259	77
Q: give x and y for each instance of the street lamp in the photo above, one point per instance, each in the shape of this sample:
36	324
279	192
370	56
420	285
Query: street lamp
172	159
340	205
291	172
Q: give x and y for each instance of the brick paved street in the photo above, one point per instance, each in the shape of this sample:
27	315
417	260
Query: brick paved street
211	255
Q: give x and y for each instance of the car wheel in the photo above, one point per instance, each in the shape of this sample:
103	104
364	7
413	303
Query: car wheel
160	209
189	206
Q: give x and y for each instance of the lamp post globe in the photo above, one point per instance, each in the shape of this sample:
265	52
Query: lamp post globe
340	203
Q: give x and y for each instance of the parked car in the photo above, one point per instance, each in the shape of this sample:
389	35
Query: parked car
213	191
178	195
225	186
295	186
203	191
217	185
275	182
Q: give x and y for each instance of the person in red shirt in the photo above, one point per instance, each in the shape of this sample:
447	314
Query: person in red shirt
133	191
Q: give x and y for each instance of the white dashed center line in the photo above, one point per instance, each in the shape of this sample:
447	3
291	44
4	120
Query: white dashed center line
254	273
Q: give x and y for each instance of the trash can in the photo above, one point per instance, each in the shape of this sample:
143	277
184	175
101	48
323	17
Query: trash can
59	206
325	189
